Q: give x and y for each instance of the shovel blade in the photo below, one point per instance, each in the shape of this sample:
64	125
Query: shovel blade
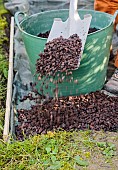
70	27
59	28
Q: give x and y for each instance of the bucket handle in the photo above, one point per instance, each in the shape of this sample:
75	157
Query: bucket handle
114	17
17	14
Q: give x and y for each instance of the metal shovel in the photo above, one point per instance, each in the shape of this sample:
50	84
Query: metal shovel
73	25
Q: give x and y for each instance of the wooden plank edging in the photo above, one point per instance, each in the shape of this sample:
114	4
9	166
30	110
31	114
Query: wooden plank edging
9	84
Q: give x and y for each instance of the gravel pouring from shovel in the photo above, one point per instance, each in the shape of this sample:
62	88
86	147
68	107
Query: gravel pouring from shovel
73	25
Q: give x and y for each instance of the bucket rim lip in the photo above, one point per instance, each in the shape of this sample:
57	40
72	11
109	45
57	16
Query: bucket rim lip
34	36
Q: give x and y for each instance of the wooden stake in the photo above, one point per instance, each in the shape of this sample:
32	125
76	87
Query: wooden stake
9	84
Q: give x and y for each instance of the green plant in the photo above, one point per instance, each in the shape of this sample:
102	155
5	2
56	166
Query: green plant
55	150
108	149
2	9
3	77
2	112
80	162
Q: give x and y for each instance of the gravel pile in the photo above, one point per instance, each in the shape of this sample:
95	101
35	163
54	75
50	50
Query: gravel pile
94	111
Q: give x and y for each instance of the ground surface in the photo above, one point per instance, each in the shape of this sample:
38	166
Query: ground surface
62	150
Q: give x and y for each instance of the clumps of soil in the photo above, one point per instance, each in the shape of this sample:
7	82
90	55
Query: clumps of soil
92	30
60	54
95	111
46	34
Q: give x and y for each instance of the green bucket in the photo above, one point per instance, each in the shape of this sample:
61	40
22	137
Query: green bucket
91	74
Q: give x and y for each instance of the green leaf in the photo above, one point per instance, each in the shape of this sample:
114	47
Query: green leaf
111	153
53	158
55	151
101	144
112	146
80	162
48	149
55	166
46	162
5	73
108	153
21	166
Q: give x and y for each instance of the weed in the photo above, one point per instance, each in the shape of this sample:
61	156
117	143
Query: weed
52	151
108	149
55	150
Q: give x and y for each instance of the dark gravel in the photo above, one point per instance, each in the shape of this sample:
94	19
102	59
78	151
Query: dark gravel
46	34
95	111
60	54
92	30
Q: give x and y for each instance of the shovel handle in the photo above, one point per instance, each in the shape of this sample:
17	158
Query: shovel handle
17	14
73	9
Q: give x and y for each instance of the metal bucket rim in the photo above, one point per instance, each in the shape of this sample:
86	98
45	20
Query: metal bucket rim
34	36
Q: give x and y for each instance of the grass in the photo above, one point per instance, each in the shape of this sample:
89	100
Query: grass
2	9
58	150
